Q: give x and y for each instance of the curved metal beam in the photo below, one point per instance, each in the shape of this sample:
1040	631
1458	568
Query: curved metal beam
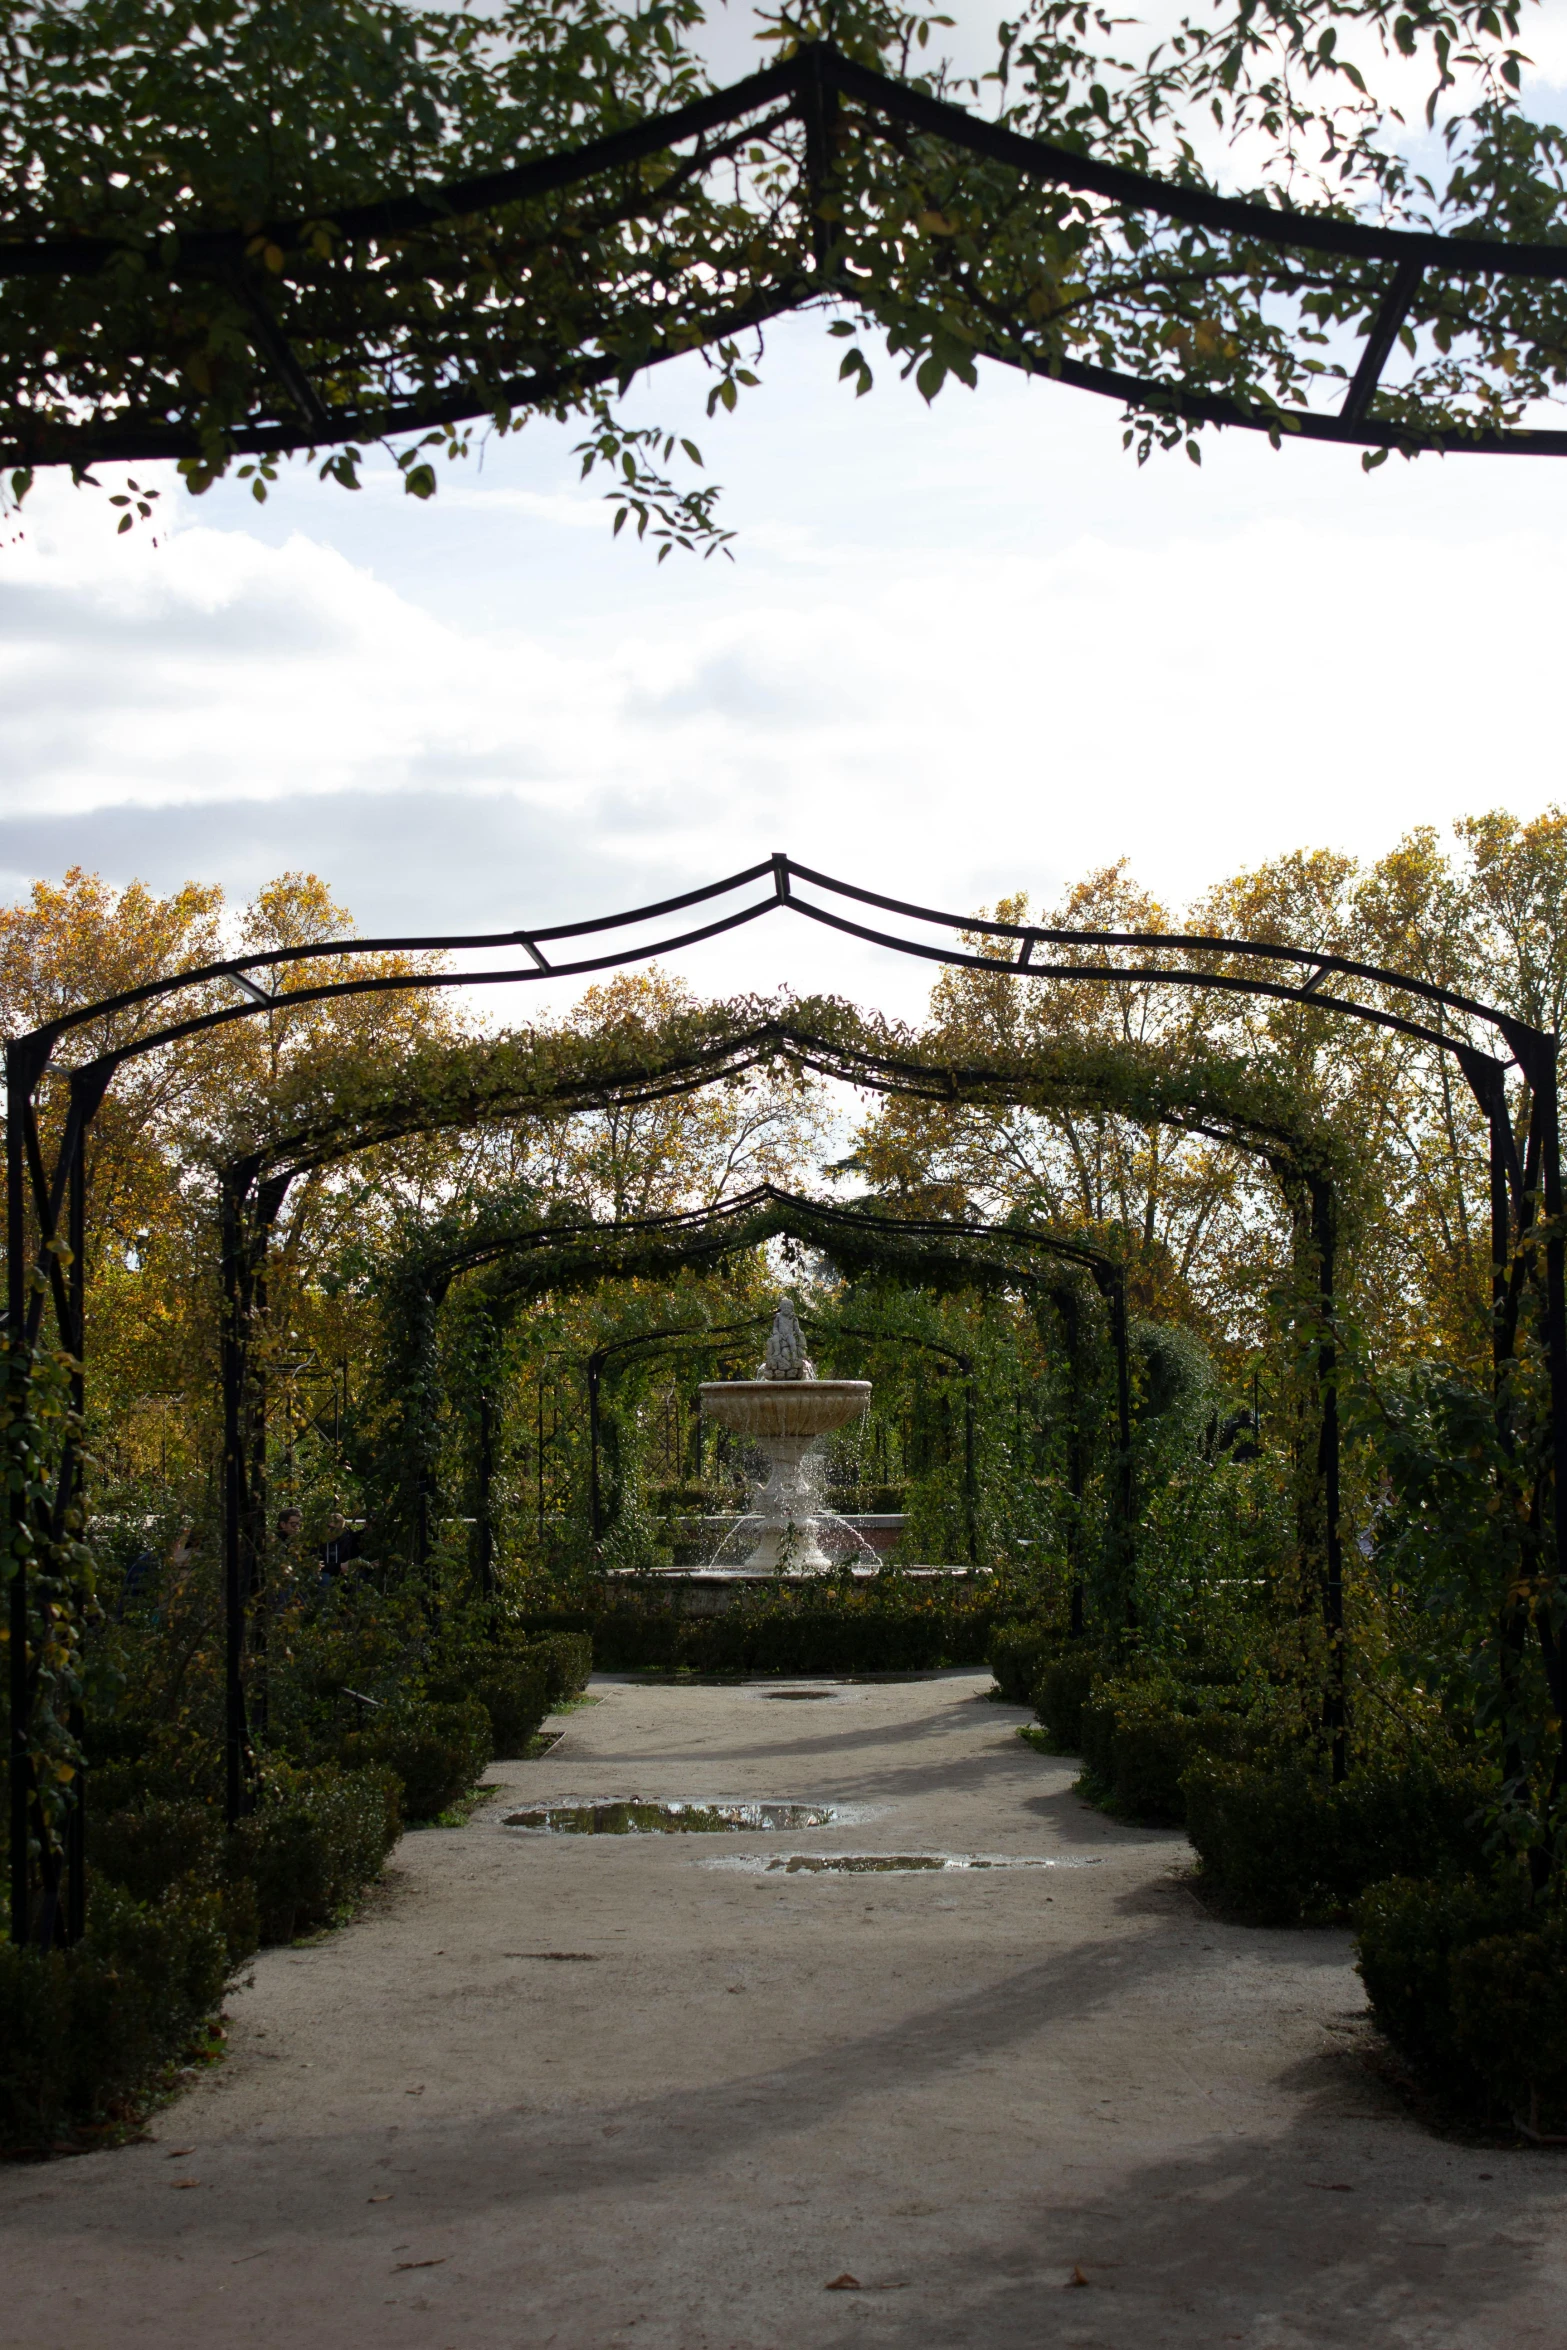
817	71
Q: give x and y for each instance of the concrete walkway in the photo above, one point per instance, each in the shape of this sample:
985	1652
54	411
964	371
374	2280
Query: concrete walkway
598	2091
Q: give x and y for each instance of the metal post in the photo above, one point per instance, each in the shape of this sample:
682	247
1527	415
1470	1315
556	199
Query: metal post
1068	1302
73	1492
970	1491
486	1479
595	1503
1547	1111
1112	1284
1510	1628
235	1732
18	1097
1335	1710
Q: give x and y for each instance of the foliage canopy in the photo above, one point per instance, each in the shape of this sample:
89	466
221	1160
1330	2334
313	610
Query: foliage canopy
234	228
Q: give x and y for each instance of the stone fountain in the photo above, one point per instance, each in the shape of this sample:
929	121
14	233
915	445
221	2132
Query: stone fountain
784	1411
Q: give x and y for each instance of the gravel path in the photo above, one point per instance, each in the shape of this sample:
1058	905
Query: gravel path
593	2091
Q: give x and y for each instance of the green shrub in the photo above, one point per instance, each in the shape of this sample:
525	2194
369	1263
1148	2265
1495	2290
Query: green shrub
823	1631
436	1750
150	1847
316	1840
1140	1737
1287	1848
1017	1655
85	2033
1136	1751
1470	1984
515	1695
516	1679
1509	2007
567	1659
1061	1692
1265	1839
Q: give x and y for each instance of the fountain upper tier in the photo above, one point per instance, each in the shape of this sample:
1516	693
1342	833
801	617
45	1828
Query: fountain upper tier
761	1408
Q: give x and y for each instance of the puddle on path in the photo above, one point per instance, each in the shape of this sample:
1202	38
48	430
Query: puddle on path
864	1864
627	1816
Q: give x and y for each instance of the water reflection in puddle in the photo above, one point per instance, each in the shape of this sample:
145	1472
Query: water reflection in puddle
857	1864
625	1816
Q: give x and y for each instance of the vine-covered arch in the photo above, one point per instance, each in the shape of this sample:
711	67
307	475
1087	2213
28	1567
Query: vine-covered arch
517	1262
329	1110
325	347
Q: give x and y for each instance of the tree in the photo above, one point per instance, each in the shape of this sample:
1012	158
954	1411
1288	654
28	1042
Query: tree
220	242
1199	1222
647	1158
1178	1209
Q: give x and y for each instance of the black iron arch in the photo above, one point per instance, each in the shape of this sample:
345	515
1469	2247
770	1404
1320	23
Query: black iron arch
46	1204
809	88
254	1187
532	1259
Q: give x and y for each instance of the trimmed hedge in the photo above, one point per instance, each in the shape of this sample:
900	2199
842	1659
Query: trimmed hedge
1017	1655
520	1682
1470	1983
85	2033
820	1629
1286	1848
436	1751
1061	1693
567	1661
800	1639
316	1840
1140	1738
150	1846
516	1698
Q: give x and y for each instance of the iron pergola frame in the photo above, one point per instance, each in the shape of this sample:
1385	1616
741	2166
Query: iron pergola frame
46	1205
809	87
852	1237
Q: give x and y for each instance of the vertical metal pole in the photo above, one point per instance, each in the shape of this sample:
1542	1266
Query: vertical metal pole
970	1483
1501	1236
486	1479
254	1402
1548	1112
18	1098
76	1228
541	1462
595	1504
1075	1479
819	112
234	1728
1122	1497
1335	1711
1067	1306
1510	1629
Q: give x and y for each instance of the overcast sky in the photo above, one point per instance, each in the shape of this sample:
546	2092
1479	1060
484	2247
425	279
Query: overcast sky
961	650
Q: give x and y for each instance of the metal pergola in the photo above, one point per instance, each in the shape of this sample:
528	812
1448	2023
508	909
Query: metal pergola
46	1202
969	1252
1393	270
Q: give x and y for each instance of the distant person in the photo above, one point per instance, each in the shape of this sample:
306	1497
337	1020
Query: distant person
139	1583
339	1550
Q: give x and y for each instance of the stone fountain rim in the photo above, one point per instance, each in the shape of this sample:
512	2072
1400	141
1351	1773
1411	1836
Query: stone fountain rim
784	1386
